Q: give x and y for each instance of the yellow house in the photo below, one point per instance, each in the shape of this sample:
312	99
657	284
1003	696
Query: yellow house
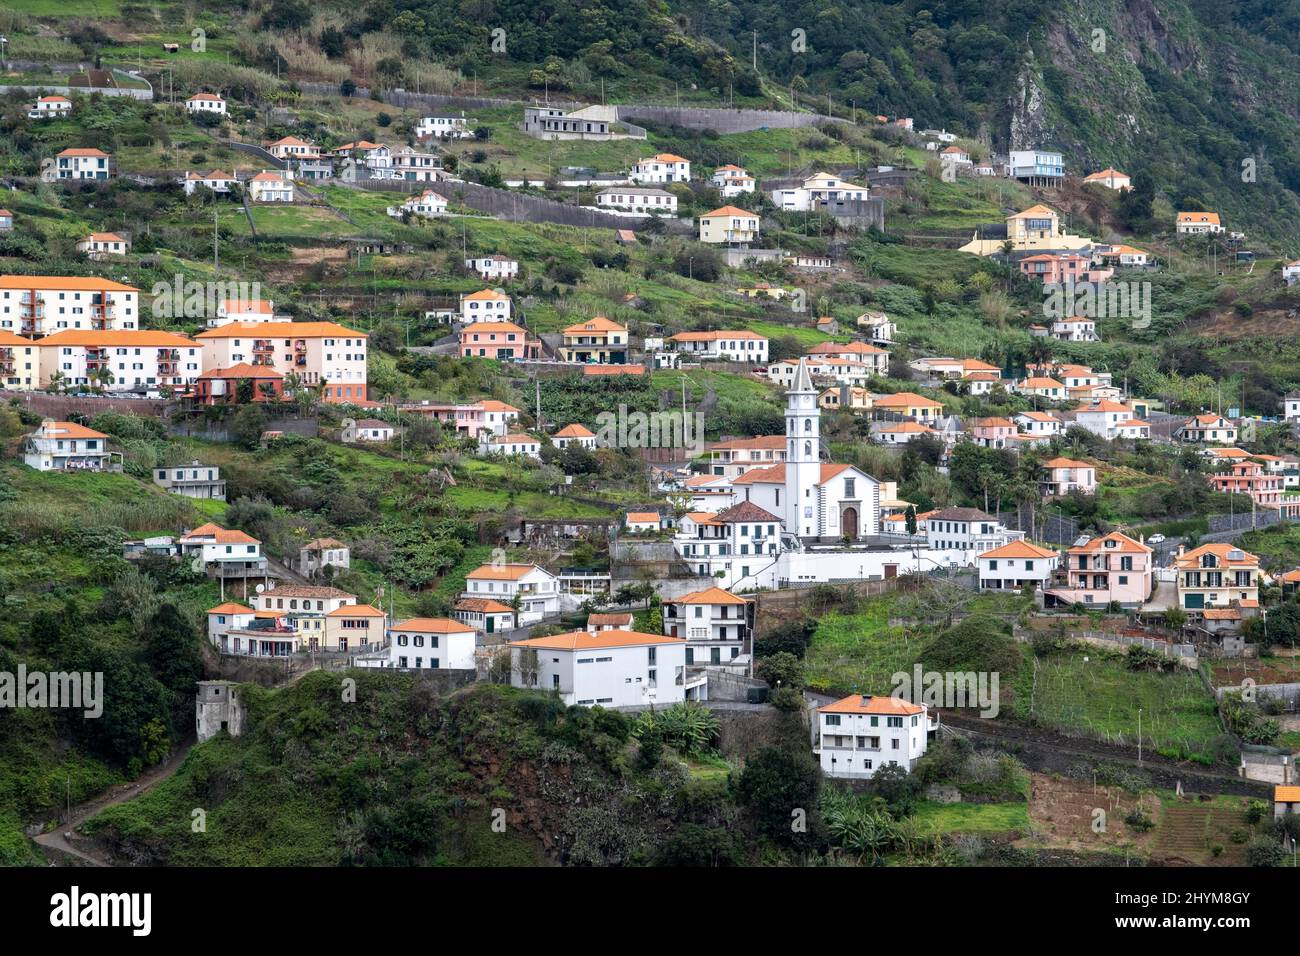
1217	576
728	225
354	627
1036	228
911	405
599	340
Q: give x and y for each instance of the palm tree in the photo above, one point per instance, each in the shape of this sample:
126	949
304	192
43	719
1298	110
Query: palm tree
102	378
58	382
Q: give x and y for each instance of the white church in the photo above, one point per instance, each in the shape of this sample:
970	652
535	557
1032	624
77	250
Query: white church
804	520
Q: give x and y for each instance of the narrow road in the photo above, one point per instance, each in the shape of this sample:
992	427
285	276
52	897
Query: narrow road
65	839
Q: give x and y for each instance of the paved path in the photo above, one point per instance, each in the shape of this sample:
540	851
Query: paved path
65	838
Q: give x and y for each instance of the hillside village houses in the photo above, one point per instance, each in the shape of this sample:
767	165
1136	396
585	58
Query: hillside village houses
1066	475
293	148
103	245
1037	167
485	615
368	430
642	522
215	180
1108	569
964	530
270	186
605	668
817	189
537	590
468	418
660	169
736	346
304	608
354	627
322	354
223	386
731	180
859	734
442	126
1197	223
873	358
427	204
6	220
67	446
486	305
878	327
598	340
195	480
50	107
634	200
206	103
729	225
76	163
223	552
495	266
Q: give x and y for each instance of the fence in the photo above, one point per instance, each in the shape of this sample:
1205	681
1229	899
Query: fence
49	90
1186	653
722	120
60	406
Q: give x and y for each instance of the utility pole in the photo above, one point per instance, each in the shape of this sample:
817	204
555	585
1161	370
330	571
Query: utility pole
216	262
755	51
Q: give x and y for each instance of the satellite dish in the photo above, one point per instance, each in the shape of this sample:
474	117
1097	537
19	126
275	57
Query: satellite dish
261	588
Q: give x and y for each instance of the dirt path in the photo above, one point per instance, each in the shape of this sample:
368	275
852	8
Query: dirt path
65	838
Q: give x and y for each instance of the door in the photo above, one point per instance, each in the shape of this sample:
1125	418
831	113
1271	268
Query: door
891	571
849	523
491	623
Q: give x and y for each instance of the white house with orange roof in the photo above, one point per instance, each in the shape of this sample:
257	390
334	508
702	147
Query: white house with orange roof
1105	569
216	180
225	617
642	522
485	305
1078	328
229	551
1014	565
739	345
574	434
67	446
103	245
662	168
1197	223
50	107
431	643
1064	475
485	615
707	494
428	204
873	357
1111	178
270	186
1041	387
900	433
321	354
878	326
606	668
249	311
637	201
598	340
79	163
20	362
1291	272
1102	417
206	103
732	457
732	180
1209	429
1133	428
127	360
821	187
291	147
718	625
859	734
1039	426
39	305
729	225
510	445
537	590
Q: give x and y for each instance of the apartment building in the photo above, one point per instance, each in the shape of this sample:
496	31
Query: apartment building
129	360
20	362
319	353
40	305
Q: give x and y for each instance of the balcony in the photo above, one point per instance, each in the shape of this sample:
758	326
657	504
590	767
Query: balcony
264	347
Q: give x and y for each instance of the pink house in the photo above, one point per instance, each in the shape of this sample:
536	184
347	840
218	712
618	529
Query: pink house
994	432
469	418
497	340
1065	475
1063	268
1110	568
1250	478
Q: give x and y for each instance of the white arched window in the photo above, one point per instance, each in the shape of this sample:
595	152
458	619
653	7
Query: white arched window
807	426
807	449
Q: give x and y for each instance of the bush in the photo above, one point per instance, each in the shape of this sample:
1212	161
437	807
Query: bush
1265	851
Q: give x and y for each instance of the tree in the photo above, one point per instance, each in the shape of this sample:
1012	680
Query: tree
248	425
779	788
781	669
909	519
